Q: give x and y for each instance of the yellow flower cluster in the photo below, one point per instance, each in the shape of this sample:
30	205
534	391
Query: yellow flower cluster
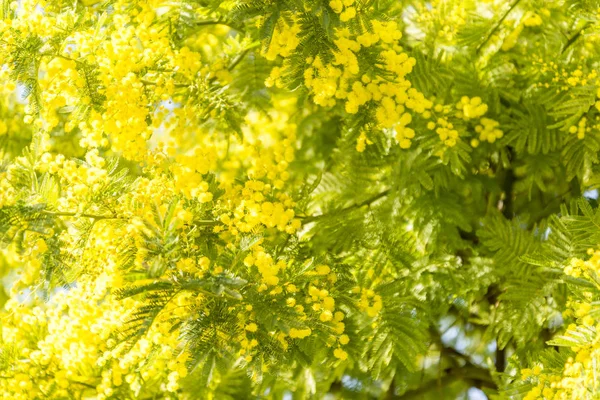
578	377
250	208
563	80
255	204
470	108
323	304
95	77
488	130
265	264
446	17
319	308
467	109
580	129
272	139
188	170
198	268
284	40
300	333
340	353
341	79
187	199
77	349
404	134
445	130
322	80
529	19
120	84
362	142
31	262
345	8
369	301
274	78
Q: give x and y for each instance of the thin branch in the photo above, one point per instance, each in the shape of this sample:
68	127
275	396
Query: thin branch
237	60
508	213
497	26
241	56
220	22
205	222
575	36
84	215
312	218
473	374
552	207
461	369
60	56
83	384
508	189
179	85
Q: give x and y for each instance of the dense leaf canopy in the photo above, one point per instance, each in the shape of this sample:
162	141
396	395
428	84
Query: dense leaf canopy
275	199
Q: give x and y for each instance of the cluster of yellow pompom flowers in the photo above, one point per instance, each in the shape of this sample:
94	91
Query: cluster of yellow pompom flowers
104	86
578	377
342	81
346	9
153	213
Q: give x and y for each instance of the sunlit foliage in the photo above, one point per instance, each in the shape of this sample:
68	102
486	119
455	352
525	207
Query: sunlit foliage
345	199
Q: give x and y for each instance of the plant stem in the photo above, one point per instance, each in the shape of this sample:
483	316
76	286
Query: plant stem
241	56
496	27
84	215
367	202
574	38
220	22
